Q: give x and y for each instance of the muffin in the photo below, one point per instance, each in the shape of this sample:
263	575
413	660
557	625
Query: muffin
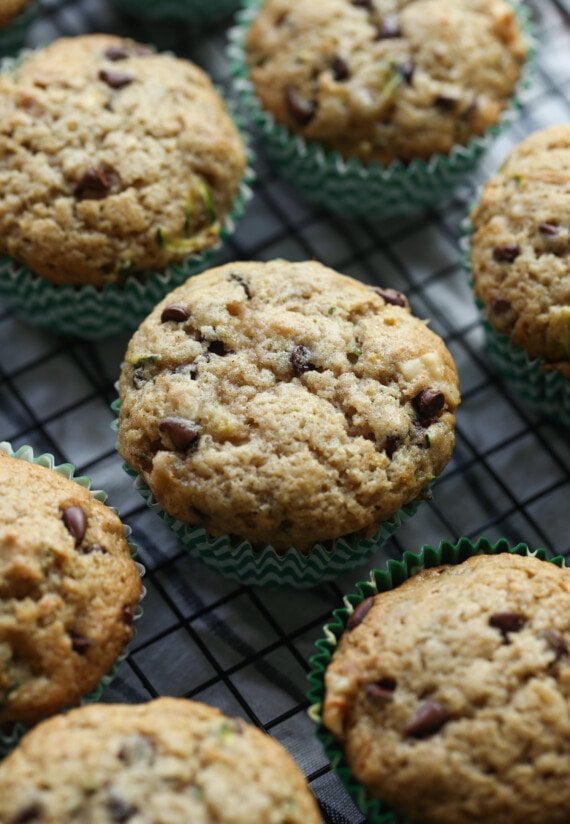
373	83
170	760
15	17
449	694
286	405
203	12
520	237
68	589
117	164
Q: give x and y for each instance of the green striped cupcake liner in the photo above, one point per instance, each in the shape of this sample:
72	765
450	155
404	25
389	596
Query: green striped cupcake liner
8	740
544	392
204	12
350	186
393	575
235	558
13	36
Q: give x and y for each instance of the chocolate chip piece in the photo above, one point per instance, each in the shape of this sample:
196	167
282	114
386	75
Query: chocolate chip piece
549	229
139	377
507	621
33	812
301	110
506	253
174	312
500	306
340	69
137	749
243	283
359	613
428	404
116	80
119	810
182	432
471	109
445	102
115	53
217	347
75	521
382	690
429	718
95	184
391	444
407	72
391	296
300	359
94	548
128	614
364	4
389	27
555	641
79	643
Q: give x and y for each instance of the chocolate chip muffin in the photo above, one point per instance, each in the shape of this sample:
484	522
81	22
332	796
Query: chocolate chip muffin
9	9
114	161
285	403
169	760
68	591
450	694
519	248
383	80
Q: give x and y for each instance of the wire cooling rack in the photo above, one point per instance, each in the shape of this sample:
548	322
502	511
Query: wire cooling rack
246	650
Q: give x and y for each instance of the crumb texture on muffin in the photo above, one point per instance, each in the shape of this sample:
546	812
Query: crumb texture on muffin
520	246
386	79
285	403
114	160
450	694
68	591
170	760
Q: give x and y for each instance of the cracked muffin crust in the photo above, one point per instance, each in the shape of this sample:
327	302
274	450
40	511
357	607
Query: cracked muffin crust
9	9
169	760
68	591
114	161
386	79
450	694
285	403
520	246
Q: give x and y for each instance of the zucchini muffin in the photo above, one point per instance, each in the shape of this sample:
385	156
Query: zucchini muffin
286	404
114	161
170	760
386	79
450	694
68	591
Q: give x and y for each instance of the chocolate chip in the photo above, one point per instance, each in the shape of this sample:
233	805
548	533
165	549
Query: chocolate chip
217	347
96	183
549	229
136	749
115	53
382	690
359	613
94	548
340	69
75	521
116	80
363	4
119	810
128	614
428	404
391	444
32	812
139	377
507	621
555	641
182	432
445	102
243	283
389	27
407	70
500	306
471	109
429	718
300	359
301	110
174	312
391	296
506	253
79	643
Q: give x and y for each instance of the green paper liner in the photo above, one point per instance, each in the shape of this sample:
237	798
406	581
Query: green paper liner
545	392
67	470
235	557
13	36
204	12
91	312
349	186
381	580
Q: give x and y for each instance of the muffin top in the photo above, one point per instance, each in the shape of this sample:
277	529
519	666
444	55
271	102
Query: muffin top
450	694
171	760
114	160
520	245
285	403
10	9
68	591
386	79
